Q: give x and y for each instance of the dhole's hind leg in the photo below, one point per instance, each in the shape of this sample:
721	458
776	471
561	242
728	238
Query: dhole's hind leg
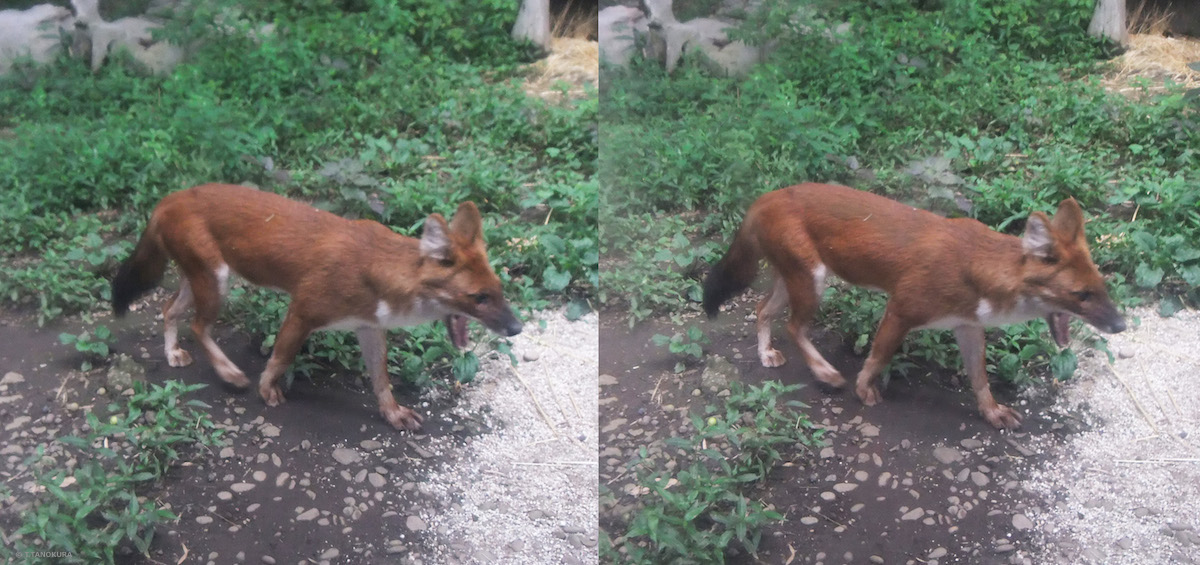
804	289
175	306
206	292
288	339
767	308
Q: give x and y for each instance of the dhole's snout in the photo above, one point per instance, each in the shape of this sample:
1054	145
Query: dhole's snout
510	325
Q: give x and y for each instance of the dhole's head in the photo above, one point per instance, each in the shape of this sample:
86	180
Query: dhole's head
460	278
1059	270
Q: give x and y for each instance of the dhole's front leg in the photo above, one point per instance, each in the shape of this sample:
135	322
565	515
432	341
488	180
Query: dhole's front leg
971	347
288	340
373	342
892	329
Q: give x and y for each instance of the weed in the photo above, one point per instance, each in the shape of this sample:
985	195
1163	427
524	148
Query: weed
93	344
697	512
89	511
689	345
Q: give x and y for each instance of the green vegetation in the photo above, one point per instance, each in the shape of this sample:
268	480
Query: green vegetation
698	508
93	344
999	101
688	346
374	109
1004	96
88	510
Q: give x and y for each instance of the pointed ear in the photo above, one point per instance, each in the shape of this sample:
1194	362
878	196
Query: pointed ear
1038	241
467	223
435	238
1068	220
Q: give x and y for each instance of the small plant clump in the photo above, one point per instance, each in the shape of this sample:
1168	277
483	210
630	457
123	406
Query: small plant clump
699	508
84	512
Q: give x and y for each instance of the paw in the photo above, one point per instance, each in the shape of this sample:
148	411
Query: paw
402	418
232	375
179	358
271	394
1001	416
830	376
869	395
771	358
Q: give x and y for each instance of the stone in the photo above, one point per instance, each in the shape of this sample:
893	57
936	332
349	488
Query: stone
1021	522
12	378
415	523
913	514
718	372
308	515
809	520
346	456
946	455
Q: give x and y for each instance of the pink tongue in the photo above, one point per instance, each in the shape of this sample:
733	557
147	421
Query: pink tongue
1060	328
456	326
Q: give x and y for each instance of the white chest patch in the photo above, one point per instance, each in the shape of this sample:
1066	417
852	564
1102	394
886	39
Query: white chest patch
385	317
1024	310
987	315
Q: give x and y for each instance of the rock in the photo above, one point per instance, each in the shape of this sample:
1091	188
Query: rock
415	523
946	455
347	456
370	444
607	380
809	520
269	430
971	443
1021	523
241	487
979	479
913	514
123	371
11	378
308	515
531	355
844	487
718	372
938	553
869	430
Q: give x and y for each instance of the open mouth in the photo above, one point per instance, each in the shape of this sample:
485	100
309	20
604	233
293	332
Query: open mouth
1060	328
456	326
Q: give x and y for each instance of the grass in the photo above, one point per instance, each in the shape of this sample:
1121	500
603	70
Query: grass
1003	98
372	109
83	514
696	510
379	110
1022	122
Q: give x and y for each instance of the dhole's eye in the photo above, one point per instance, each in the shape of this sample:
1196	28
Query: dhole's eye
480	298
1049	260
446	262
1082	295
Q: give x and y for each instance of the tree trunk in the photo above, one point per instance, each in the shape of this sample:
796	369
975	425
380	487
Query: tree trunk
533	23
1109	21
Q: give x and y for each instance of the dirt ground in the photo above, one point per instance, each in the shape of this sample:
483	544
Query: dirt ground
920	478
323	478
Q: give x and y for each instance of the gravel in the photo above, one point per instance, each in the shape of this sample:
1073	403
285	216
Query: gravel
527	491
1117	488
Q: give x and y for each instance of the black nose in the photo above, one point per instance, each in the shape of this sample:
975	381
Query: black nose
1117	326
513	328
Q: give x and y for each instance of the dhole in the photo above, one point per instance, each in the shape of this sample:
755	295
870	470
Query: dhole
341	275
939	273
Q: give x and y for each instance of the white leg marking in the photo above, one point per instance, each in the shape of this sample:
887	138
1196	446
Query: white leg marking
222	273
177	356
816	363
767	355
819	273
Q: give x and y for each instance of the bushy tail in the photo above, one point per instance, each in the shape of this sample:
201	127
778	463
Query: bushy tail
140	273
733	273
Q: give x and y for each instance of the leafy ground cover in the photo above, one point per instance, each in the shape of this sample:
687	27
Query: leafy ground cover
382	110
981	109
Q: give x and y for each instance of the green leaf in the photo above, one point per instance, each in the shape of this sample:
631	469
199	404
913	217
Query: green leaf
1147	276
1063	364
555	281
1184	254
1191	275
1169	306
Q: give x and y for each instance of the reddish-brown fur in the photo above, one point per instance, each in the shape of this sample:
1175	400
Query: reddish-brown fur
350	274
943	273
